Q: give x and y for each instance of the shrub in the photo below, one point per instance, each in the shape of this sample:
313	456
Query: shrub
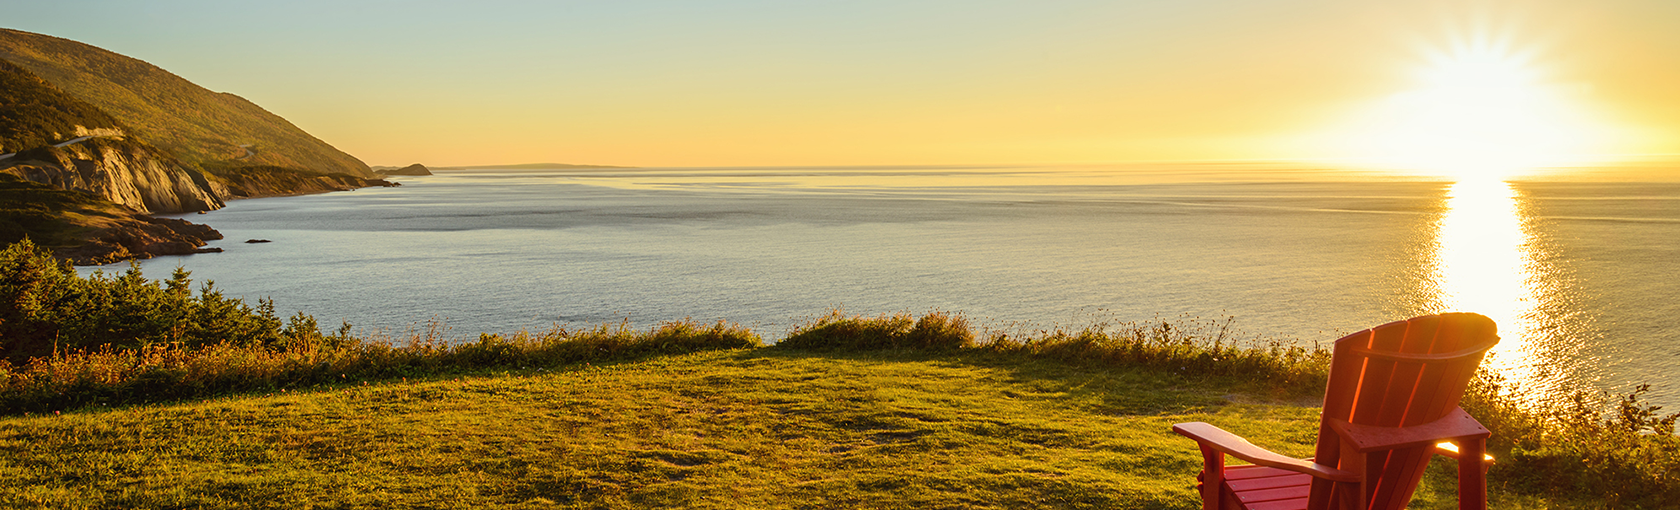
1615	451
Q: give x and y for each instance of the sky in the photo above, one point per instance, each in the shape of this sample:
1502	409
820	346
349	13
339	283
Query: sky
788	82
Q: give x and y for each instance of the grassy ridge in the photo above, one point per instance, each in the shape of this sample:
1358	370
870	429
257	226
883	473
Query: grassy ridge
161	372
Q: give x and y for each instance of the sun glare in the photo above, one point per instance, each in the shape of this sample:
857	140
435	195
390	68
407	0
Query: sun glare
1479	111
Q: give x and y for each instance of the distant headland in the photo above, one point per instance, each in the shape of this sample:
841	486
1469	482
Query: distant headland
414	169
527	166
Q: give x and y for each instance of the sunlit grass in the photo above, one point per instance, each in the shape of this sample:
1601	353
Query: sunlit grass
893	411
767	428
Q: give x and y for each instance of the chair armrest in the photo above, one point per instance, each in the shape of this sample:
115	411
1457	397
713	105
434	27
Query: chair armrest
1366	438
1209	436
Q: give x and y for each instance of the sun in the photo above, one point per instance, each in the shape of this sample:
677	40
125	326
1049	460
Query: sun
1479	110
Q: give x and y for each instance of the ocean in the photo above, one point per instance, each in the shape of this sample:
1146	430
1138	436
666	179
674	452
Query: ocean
1580	274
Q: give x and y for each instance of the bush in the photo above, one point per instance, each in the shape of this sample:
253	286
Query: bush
1614	451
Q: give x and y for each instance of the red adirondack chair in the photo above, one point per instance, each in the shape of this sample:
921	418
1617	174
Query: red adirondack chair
1391	402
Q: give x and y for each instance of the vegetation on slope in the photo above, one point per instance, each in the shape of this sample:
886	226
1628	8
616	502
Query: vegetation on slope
34	113
201	128
48	214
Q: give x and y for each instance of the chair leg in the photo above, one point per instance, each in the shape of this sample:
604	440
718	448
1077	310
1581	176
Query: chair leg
1212	477
1472	474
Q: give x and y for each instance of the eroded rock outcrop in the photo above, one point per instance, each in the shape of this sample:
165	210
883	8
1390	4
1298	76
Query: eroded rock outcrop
121	171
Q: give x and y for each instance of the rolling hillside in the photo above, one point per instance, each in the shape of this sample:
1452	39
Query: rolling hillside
203	129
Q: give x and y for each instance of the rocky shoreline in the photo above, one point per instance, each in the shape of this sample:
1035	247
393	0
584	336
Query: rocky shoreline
142	237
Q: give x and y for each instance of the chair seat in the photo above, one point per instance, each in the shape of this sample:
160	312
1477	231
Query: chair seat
1264	488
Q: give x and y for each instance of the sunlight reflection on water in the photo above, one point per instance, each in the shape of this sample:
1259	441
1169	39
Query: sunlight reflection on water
1483	266
1489	260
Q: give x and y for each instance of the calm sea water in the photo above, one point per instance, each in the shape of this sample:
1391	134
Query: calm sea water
1581	276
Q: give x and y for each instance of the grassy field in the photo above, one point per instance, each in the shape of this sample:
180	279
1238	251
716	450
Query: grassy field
750	428
124	392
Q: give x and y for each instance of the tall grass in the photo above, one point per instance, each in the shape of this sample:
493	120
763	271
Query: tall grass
1185	344
836	331
108	376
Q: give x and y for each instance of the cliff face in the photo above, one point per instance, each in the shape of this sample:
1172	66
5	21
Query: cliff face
121	171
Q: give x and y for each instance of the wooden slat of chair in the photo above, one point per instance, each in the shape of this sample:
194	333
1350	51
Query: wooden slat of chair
1260	487
1401	404
1338	402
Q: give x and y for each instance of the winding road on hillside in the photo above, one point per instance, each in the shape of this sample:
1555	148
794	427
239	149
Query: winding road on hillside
75	140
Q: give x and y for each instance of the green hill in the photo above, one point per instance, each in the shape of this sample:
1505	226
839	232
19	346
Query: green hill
35	113
203	129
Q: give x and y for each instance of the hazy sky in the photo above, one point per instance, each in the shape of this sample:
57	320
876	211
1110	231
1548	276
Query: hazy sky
704	83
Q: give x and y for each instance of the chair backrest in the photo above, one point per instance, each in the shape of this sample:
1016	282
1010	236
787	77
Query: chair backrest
1399	374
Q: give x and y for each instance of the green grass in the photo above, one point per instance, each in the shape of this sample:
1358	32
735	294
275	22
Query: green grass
767	428
759	428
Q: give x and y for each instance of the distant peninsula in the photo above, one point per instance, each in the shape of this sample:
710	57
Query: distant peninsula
414	169
527	166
